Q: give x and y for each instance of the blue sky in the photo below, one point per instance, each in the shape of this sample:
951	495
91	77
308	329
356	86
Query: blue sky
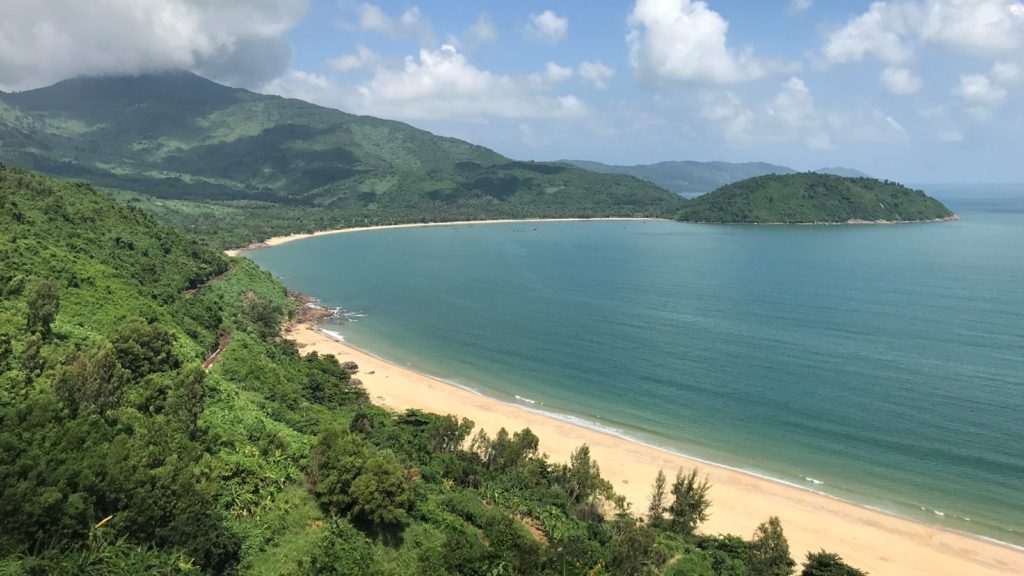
915	90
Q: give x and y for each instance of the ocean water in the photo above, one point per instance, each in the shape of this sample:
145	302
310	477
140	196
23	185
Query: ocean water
881	364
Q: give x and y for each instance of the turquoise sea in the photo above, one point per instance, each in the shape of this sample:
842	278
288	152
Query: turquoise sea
882	364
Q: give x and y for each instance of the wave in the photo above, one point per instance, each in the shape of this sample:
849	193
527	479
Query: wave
333	335
525	399
814	481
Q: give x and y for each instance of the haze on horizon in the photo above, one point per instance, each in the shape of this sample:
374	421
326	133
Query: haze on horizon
914	90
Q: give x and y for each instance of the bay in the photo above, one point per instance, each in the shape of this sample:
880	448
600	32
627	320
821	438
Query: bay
882	364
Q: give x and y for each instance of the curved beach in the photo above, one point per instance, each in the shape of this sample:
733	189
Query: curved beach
871	540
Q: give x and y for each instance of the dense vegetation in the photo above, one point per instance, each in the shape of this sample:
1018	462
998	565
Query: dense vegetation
120	453
236	167
812	198
689	178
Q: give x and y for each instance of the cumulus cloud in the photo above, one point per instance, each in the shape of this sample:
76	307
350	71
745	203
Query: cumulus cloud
442	83
243	42
880	32
554	73
548	26
483	30
596	73
363	57
409	24
980	90
889	31
683	41
900	81
792	115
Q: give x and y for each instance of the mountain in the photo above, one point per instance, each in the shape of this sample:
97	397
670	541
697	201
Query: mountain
841	171
238	167
813	198
689	178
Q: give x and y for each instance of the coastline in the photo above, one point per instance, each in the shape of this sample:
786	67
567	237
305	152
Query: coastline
873	540
278	240
851	222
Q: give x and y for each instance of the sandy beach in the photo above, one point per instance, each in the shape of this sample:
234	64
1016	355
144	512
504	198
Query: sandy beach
278	240
880	543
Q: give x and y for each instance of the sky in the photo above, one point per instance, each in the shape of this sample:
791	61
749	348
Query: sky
912	90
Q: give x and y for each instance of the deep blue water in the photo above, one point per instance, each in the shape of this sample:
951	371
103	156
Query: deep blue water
883	364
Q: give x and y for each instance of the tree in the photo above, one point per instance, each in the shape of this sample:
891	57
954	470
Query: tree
381	493
342	551
144	348
93	383
769	551
656	510
828	564
690	503
43	306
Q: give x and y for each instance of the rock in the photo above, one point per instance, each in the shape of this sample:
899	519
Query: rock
350	367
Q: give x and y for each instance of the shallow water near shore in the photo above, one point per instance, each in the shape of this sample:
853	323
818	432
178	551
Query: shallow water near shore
882	364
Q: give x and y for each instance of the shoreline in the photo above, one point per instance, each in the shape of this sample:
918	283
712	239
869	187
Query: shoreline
851	222
875	540
278	240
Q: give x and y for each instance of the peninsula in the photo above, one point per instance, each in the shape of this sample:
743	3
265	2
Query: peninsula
813	198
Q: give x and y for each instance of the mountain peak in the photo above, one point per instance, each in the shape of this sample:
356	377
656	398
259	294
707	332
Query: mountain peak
177	87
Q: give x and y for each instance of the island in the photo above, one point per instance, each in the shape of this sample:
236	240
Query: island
813	198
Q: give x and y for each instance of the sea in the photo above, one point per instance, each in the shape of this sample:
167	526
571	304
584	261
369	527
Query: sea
882	364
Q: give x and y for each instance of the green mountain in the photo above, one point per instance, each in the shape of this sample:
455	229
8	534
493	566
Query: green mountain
689	178
810	197
153	421
842	171
238	167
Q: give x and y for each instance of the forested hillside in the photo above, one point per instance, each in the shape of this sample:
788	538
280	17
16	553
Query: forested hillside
689	178
809	197
122	454
237	167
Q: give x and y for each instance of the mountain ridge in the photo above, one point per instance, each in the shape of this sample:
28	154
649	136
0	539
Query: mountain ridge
237	167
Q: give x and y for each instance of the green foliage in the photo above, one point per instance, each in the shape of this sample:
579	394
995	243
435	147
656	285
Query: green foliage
812	198
690	503
656	508
121	454
342	551
237	167
347	477
43	304
828	564
689	178
143	348
769	551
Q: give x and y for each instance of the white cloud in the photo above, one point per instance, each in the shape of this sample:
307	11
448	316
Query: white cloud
792	115
1006	72
554	73
442	83
900	81
43	41
797	6
304	86
363	57
548	26
409	24
483	30
879	32
596	73
978	89
730	111
684	41
889	31
978	26
793	105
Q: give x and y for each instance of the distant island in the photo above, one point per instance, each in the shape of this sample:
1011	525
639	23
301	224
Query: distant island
813	198
690	178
